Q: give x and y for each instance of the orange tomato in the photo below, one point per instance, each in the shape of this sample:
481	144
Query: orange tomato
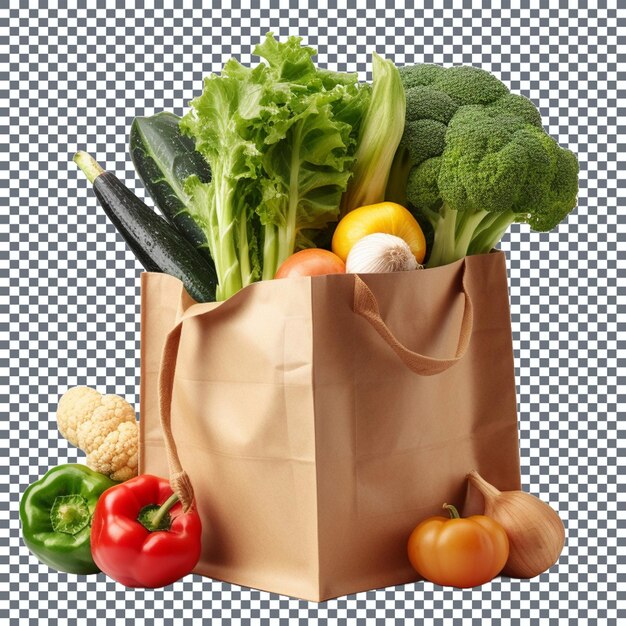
311	262
384	217
459	552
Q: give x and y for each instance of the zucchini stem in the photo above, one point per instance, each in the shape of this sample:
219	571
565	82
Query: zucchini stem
88	165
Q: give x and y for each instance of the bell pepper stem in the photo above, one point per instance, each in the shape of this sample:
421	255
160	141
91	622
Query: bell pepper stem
154	517
454	514
69	514
164	510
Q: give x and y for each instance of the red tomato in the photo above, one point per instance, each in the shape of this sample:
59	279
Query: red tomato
311	262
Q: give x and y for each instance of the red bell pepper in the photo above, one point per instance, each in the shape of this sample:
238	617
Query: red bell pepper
140	535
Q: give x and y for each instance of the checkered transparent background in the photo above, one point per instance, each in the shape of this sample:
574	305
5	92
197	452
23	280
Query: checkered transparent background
74	78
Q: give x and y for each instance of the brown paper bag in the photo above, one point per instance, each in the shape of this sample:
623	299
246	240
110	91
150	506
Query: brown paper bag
314	433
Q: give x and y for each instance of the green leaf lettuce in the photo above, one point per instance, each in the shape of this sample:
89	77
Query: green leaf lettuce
280	139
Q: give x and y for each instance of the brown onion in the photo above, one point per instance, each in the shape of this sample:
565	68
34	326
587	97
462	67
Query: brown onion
535	531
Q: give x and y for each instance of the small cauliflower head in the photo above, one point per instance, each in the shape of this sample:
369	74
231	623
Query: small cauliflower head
104	427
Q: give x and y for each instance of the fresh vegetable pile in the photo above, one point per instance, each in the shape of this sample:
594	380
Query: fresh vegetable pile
103	517
273	159
76	519
284	170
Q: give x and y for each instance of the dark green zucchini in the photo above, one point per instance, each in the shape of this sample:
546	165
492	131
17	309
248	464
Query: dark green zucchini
164	159
157	246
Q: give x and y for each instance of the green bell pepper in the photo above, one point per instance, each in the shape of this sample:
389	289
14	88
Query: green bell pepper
56	514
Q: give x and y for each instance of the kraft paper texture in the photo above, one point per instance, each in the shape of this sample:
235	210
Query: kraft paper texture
312	447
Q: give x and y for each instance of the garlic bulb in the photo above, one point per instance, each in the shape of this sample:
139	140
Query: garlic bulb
379	253
535	531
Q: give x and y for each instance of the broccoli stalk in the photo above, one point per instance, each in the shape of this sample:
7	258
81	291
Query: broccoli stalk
460	233
490	231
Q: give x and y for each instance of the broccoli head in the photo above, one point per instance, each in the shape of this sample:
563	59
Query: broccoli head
473	159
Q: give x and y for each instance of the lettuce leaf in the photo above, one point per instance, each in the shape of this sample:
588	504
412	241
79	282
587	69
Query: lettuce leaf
280	139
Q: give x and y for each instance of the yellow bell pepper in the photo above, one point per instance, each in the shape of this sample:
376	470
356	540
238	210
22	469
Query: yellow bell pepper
384	217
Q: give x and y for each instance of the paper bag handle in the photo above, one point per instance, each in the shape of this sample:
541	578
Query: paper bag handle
179	480
366	306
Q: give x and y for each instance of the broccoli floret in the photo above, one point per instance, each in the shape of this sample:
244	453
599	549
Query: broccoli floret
427	103
515	105
423	74
423	187
433	96
427	139
473	159
470	85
